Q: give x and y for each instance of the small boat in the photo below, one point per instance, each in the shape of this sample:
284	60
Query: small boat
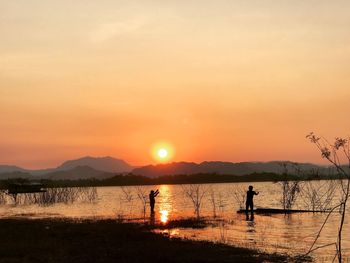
21	188
280	211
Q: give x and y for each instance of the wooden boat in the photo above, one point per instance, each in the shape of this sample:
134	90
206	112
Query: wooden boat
280	211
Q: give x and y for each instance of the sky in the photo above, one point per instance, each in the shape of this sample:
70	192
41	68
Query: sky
235	80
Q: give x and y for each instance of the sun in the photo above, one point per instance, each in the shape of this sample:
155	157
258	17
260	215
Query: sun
162	152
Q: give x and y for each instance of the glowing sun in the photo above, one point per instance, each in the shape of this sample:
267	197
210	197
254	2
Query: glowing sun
162	152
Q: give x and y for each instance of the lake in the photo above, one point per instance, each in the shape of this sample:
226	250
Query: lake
291	234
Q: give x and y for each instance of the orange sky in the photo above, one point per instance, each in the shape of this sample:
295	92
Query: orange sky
219	80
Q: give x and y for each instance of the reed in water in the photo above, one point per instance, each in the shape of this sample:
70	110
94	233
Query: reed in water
52	195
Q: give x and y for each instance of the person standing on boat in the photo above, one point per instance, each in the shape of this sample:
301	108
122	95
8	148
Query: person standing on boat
152	199
249	202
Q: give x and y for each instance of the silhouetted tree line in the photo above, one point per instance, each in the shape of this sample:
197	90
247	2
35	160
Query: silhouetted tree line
131	179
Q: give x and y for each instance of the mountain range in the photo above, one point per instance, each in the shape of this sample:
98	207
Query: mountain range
228	168
105	167
82	168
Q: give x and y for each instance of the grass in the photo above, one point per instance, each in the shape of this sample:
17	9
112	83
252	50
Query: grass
63	240
182	223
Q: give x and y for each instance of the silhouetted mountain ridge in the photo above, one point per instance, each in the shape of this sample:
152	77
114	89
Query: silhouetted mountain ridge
106	164
104	167
217	167
11	168
15	174
79	172
82	168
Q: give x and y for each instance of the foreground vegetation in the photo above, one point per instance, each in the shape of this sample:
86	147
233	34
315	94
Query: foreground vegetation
54	240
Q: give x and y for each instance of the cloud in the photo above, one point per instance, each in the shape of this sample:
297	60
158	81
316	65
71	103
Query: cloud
110	30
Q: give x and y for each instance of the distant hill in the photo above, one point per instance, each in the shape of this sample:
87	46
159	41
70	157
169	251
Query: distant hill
106	164
15	175
83	168
79	172
243	168
10	169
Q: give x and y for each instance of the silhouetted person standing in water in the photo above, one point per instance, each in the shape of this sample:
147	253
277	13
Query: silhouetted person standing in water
249	202
152	199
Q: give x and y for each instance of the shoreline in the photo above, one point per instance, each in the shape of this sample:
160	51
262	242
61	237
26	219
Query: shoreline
105	240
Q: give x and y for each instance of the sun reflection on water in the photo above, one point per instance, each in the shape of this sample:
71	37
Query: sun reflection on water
165	203
164	216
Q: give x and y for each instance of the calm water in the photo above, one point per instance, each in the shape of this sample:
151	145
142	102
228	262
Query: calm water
276	233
